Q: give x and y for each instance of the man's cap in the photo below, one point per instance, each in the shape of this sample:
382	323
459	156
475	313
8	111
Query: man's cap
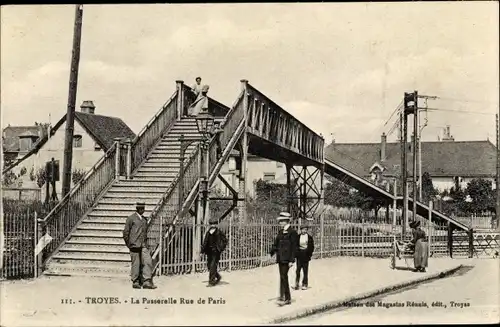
304	227
284	216
205	88
197	78
414	224
213	221
140	204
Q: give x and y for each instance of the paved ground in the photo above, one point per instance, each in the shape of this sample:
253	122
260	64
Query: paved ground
244	297
476	293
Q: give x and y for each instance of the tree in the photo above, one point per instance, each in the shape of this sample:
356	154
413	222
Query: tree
340	194
428	190
482	195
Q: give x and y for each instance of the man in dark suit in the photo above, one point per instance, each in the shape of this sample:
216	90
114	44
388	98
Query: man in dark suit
135	237
214	244
285	247
304	254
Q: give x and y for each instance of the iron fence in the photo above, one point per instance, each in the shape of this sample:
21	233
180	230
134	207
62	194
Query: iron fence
18	249
249	242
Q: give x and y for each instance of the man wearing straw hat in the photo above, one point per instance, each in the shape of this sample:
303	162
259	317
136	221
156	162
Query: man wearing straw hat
135	237
214	244
285	247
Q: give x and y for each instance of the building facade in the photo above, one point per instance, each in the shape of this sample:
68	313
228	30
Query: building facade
93	135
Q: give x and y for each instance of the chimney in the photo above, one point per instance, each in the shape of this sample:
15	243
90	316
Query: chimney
87	107
383	144
447	135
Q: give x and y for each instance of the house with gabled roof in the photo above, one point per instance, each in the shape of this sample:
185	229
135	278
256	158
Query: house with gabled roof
446	160
19	140
93	135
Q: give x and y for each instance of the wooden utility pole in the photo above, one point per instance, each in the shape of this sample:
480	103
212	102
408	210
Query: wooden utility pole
415	152
404	175
70	116
497	214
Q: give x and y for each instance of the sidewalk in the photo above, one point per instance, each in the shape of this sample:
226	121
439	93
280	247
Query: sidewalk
244	297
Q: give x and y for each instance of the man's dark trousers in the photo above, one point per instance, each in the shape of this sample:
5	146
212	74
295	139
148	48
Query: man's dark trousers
302	264
284	285
213	259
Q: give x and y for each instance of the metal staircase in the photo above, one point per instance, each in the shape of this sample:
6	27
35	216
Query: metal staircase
96	246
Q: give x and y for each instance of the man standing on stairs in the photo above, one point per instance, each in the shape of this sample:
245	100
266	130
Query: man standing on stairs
214	244
135	237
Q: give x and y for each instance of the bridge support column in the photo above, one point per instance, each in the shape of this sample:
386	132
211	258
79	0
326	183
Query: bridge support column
243	160
305	192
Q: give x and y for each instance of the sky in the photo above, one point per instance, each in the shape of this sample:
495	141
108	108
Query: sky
340	68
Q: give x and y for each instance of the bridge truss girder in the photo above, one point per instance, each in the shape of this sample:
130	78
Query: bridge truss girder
305	192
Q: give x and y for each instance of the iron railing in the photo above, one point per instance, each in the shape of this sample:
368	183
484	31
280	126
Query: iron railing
229	127
249	242
169	203
66	214
18	258
153	131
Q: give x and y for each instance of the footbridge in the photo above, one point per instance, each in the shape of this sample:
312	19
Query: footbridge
86	225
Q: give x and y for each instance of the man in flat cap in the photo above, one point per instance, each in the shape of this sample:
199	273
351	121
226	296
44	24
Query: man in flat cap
285	247
304	254
214	244
135	237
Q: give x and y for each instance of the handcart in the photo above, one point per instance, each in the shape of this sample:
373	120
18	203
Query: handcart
402	251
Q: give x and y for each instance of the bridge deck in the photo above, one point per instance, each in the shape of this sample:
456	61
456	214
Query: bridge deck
276	135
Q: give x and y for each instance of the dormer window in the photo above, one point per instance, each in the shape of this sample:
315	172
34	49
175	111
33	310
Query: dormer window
77	141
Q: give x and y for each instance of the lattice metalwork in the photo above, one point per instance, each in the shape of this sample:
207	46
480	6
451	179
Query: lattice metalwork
305	187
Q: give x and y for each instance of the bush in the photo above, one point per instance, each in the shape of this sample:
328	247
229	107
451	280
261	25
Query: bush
13	207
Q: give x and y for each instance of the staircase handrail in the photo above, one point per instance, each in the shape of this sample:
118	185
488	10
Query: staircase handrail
85	177
64	217
153	234
168	112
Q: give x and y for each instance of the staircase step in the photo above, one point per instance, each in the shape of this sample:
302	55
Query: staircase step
143	184
161	165
98	255
93	238
78	269
100	228
155	176
98	233
118	224
92	259
135	190
126	207
118	249
106	221
115	213
158	171
129	201
123	196
112	242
